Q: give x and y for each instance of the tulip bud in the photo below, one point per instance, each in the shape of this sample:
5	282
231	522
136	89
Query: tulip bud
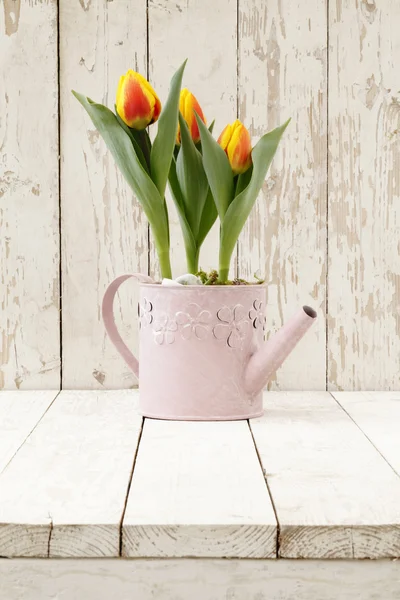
137	103
187	105
235	140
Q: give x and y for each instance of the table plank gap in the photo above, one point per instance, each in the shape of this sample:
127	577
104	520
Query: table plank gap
20	413
377	415
334	494
129	486
278	529
63	494
197	490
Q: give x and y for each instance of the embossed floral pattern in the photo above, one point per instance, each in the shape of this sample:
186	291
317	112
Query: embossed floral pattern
145	313
257	316
194	322
233	325
164	329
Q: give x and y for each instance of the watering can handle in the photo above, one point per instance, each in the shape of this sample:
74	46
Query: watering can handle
109	322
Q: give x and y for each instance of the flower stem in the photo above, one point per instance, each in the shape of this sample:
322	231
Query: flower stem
165	264
193	261
223	273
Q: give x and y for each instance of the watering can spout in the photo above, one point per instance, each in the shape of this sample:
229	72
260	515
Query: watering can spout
265	361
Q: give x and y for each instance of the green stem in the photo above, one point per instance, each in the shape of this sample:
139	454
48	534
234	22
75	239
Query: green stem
223	273
165	264
224	260
144	142
193	261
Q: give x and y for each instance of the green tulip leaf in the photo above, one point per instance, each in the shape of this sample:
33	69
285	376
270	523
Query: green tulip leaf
243	181
136	145
210	129
164	143
192	178
208	218
175	187
190	243
120	144
240	208
217	168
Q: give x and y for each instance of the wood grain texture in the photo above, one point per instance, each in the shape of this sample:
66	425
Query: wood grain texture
378	416
104	231
364	195
198	490
199	579
29	238
20	411
64	492
334	494
205	32
282	74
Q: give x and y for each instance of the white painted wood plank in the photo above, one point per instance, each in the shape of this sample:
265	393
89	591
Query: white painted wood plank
29	237
64	492
205	32
198	490
378	415
104	230
199	579
282	74
334	494
364	195
20	411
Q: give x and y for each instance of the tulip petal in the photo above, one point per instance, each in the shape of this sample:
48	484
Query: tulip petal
225	137
235	141
239	149
137	103
188	106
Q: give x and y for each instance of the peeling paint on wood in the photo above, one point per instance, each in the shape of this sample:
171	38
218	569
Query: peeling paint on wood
276	58
364	196
204	31
11	15
104	229
29	235
282	73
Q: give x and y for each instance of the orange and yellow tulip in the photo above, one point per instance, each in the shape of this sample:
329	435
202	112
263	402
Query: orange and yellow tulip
137	103
235	140
187	105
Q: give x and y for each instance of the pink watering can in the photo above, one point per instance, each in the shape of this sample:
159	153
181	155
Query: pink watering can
202	349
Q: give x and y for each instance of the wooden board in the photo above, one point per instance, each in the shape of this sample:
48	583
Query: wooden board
198	490
199	579
20	412
364	195
205	32
64	493
334	495
104	232
282	74
29	237
378	416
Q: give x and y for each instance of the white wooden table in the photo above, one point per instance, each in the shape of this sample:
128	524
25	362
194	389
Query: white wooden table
294	499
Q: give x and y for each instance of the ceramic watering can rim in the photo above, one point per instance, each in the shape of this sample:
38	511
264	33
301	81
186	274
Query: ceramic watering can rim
310	312
242	287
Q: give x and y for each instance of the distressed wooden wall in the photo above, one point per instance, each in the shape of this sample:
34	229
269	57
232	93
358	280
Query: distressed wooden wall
326	228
